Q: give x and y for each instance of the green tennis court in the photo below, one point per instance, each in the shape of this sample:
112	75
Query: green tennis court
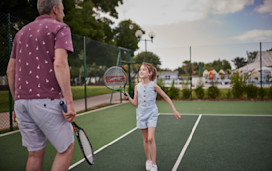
210	136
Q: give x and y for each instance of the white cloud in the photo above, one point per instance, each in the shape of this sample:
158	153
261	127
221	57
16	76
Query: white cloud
256	35
161	12
266	7
229	6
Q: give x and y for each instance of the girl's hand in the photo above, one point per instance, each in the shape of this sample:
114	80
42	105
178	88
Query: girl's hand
177	115
125	96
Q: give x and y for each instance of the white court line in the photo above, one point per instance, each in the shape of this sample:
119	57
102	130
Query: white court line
13	132
9	133
192	114
102	148
186	145
100	109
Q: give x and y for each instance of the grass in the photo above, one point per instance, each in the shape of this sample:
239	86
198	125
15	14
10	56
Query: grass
218	107
78	93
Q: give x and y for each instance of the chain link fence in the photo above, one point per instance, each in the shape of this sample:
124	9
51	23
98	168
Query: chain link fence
87	64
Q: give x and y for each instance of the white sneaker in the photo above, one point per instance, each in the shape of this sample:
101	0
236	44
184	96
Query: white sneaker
154	167
148	164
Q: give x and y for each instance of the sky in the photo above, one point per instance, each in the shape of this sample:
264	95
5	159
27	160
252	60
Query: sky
214	29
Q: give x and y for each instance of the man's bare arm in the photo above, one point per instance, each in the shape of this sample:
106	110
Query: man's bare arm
62	73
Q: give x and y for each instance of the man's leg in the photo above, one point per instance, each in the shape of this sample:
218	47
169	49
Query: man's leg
62	160
35	160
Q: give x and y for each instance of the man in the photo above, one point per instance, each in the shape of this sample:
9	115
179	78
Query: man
39	77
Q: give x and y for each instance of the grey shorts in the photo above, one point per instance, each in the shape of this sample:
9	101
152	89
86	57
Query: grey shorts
41	119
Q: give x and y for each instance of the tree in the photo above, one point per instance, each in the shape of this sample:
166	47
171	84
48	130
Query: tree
180	70
239	62
82	21
226	65
83	17
151	58
25	9
251	56
124	35
218	65
199	67
186	66
108	6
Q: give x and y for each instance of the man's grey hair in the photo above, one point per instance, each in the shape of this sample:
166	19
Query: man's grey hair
45	6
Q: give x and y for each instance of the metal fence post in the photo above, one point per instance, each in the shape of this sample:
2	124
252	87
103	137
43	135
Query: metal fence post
261	72
9	51
129	77
191	73
85	88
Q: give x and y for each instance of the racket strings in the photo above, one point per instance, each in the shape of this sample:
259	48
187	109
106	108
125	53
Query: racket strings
87	148
115	78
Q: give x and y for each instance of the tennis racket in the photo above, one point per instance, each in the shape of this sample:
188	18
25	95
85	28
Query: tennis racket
83	140
115	79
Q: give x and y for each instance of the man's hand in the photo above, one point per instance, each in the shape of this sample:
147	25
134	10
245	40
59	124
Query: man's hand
70	115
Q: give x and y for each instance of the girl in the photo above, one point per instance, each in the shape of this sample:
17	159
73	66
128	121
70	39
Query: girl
147	112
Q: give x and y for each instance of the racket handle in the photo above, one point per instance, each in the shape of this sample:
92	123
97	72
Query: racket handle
63	106
126	95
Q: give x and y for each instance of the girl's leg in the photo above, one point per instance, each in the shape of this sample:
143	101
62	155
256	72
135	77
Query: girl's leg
146	145
152	144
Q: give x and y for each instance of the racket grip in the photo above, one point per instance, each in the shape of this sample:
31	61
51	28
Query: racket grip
63	106
125	94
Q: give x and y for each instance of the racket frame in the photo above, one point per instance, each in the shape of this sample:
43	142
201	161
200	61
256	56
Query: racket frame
121	87
77	129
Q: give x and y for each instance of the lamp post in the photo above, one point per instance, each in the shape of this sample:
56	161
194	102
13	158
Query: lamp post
139	35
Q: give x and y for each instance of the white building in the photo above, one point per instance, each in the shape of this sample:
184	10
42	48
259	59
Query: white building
254	68
168	77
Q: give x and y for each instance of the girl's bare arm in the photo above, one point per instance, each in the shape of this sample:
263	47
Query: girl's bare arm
166	98
134	101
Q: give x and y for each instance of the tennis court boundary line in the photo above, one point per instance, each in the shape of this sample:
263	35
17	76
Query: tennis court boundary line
186	144
192	114
9	133
95	110
13	132
105	146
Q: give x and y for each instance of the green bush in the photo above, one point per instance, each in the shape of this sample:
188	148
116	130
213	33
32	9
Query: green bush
270	92
165	89
173	92
228	95
200	91
251	91
238	85
160	83
213	92
186	93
